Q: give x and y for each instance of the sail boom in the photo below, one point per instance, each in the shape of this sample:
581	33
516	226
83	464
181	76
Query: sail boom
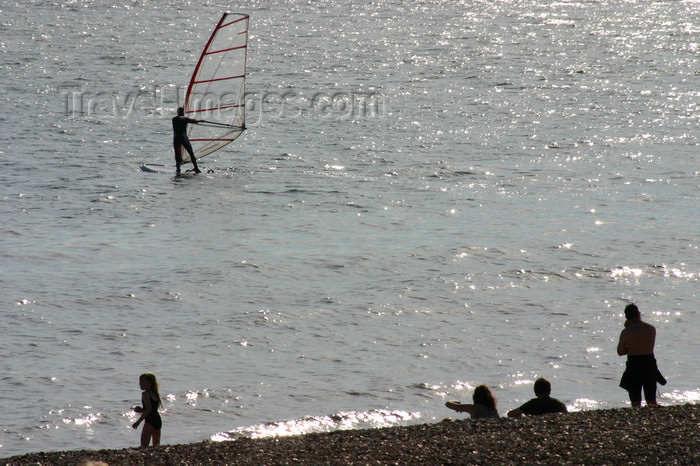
216	139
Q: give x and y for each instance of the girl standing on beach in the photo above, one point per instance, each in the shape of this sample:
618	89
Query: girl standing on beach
150	399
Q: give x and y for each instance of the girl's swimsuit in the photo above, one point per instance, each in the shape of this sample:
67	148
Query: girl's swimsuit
153	417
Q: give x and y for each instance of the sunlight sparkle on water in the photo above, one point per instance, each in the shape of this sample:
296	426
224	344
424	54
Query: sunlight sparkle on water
82	421
341	421
582	404
687	396
625	271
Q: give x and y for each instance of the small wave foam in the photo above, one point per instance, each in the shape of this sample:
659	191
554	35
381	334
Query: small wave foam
313	424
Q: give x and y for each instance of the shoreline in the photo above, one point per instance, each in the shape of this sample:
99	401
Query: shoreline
660	435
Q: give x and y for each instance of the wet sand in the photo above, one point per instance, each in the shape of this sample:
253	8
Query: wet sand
663	435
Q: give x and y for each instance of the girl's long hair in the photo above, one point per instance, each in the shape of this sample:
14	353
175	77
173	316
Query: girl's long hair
151	377
482	395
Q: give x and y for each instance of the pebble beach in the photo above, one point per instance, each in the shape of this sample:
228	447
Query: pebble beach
662	435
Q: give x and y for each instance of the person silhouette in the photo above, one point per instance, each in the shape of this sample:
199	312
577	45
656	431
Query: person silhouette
181	140
484	404
543	404
150	399
637	341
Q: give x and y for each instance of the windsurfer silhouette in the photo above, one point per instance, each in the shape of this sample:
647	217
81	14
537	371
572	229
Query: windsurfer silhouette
180	139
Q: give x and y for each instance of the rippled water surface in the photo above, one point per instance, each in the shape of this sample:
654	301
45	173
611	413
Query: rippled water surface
430	196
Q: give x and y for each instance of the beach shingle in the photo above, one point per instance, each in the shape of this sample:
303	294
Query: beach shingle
663	435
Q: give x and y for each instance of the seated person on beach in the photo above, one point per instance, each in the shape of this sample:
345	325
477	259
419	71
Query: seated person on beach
543	404
484	404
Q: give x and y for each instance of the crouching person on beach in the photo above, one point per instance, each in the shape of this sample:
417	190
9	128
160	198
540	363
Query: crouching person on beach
543	404
484	404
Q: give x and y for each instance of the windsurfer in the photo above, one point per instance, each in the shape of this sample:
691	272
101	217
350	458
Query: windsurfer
180	139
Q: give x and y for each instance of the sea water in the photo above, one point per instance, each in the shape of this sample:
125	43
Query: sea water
429	196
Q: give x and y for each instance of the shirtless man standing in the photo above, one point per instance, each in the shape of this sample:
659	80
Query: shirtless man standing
637	342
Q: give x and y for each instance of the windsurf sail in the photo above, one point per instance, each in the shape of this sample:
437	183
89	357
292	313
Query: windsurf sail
216	92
